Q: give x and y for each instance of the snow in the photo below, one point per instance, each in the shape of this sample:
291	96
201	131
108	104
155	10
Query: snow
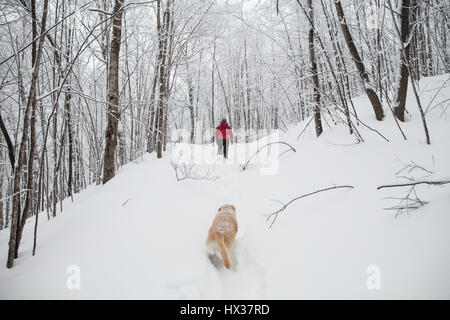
142	235
225	225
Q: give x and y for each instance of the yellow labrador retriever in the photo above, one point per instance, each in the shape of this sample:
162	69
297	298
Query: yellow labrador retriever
222	233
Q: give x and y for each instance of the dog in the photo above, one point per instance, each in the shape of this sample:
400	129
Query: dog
222	234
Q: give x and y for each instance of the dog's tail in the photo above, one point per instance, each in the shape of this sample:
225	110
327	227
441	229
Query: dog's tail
223	250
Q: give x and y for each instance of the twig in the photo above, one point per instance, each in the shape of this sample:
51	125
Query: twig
412	167
274	215
245	166
307	125
126	202
429	104
407	203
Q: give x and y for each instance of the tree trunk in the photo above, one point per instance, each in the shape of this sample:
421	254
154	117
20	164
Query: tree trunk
212	92
371	94
18	165
428	39
152	112
399	108
163	39
8	143
69	120
416	93
29	195
315	77
113	115
191	107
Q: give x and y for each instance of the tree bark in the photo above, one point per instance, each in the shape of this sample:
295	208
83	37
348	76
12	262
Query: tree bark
315	77
113	114
399	108
68	98
163	39
8	143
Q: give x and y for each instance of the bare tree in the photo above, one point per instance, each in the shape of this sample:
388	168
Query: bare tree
312	58
399	108
371	94
13	241
113	114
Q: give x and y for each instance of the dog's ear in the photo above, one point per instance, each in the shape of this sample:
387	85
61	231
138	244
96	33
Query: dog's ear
220	208
234	208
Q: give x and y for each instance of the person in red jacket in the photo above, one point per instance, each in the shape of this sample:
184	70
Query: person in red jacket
224	135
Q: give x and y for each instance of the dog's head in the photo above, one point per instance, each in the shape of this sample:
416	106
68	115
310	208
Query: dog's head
228	207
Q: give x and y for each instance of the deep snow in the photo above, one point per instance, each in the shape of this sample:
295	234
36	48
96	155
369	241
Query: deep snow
142	234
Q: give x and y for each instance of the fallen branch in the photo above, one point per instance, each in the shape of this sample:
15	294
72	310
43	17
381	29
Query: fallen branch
185	171
245	166
408	202
274	215
441	182
411	201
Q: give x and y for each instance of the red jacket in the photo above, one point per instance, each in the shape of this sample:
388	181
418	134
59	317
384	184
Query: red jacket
224	131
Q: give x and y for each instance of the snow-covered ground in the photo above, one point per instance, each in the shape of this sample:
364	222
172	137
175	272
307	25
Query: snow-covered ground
142	234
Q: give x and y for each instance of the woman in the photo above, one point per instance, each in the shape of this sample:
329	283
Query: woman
224	135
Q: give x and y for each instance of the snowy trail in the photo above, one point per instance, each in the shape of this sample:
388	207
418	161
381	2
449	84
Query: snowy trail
142	235
246	280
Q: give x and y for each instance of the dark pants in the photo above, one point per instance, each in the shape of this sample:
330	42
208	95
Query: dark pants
224	144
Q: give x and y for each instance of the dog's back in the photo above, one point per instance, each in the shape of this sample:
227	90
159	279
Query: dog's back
223	233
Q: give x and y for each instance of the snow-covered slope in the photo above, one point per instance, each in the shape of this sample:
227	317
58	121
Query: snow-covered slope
142	234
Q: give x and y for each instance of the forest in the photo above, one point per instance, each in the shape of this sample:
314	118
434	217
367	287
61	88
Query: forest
88	87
